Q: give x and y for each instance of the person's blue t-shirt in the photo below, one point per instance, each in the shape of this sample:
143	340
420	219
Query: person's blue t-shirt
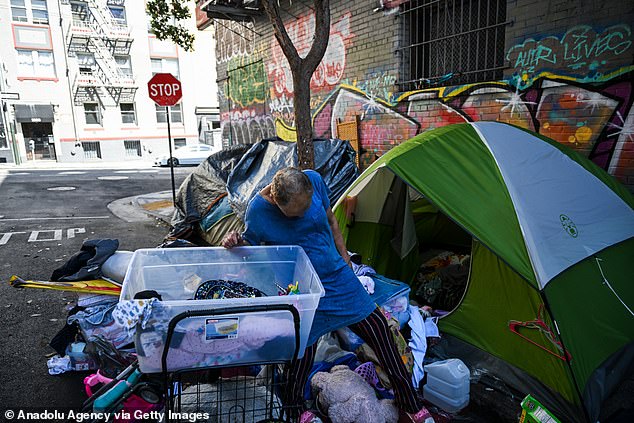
346	301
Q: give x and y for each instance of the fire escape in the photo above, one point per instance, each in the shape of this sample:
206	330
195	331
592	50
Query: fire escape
101	43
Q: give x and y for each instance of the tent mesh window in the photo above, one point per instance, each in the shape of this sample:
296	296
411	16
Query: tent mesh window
451	42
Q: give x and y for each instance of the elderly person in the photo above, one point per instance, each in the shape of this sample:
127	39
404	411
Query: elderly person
295	210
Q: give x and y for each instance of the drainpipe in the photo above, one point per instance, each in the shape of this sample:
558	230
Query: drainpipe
70	87
228	105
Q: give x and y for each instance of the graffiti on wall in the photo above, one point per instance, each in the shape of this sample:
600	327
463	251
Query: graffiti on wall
594	120
330	70
247	126
246	82
567	88
235	40
581	52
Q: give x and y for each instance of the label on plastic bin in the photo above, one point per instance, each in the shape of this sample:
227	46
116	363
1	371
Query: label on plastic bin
221	328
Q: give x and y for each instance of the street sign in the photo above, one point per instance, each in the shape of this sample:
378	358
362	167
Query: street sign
164	89
10	96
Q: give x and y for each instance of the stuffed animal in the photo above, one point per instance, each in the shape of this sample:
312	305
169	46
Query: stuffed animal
347	398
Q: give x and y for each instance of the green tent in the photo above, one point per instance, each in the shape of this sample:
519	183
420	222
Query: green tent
548	306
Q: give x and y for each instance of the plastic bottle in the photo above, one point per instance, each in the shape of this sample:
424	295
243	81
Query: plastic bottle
447	384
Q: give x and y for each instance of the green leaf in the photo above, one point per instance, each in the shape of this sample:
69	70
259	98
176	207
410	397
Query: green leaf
166	21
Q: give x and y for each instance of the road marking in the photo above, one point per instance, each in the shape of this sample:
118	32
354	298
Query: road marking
7	236
43	235
53	218
70	233
149	171
126	171
18	173
61	189
57	235
72	172
113	178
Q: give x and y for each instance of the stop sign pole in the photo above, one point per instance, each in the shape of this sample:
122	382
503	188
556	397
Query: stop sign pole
166	91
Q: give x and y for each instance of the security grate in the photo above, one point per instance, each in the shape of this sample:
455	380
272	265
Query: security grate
452	42
92	149
132	148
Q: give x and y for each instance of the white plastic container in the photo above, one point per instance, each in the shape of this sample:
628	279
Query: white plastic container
447	384
235	339
116	266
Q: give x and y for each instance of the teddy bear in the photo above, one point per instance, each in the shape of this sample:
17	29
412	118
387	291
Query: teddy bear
347	398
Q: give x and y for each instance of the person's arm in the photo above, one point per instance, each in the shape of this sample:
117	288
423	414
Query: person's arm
336	234
233	239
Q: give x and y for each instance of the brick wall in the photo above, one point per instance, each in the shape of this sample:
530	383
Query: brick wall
569	76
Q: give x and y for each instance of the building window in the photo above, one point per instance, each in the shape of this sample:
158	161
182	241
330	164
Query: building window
128	113
132	148
18	11
124	64
40	12
118	14
175	114
37	13
92	113
165	66
36	63
79	10
180	142
92	149
452	43
86	63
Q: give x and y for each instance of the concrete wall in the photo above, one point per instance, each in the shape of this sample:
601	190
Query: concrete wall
569	72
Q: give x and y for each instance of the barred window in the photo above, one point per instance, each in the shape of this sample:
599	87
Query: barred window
92	149
452	42
132	148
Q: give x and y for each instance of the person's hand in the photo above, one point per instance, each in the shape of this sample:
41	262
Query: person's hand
232	239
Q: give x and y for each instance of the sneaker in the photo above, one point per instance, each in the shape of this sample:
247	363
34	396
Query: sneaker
422	416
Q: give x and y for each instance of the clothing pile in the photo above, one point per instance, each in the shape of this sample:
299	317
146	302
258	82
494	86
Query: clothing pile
440	281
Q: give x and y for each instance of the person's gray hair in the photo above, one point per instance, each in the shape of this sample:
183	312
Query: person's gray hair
288	183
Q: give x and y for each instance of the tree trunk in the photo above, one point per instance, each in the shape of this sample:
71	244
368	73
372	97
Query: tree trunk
302	70
303	122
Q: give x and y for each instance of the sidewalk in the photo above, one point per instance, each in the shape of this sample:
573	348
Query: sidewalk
137	208
53	165
157	204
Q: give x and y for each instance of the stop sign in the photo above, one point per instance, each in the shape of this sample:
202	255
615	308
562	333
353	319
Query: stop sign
164	89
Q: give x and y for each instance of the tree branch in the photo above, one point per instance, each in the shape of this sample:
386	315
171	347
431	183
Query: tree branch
322	35
273	12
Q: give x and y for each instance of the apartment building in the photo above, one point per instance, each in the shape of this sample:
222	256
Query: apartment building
73	77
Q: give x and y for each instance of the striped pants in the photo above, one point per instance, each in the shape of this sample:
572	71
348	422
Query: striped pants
375	332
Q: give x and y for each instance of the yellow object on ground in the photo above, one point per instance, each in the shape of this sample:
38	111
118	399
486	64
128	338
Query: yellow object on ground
96	286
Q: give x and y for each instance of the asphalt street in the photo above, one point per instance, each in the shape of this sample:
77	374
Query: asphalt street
45	215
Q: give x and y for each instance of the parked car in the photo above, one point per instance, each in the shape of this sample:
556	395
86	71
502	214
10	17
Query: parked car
186	155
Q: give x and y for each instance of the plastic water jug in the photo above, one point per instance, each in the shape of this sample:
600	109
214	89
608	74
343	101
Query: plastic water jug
447	384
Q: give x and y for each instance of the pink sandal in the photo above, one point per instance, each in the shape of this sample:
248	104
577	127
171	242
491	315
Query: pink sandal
422	416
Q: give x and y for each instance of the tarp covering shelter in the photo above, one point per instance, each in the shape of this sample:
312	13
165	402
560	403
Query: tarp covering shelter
334	160
213	199
203	190
550	292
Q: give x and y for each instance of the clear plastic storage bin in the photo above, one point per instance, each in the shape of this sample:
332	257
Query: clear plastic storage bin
234	339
